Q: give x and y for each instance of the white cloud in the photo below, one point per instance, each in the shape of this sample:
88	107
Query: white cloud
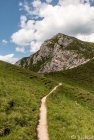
36	3
68	2
35	46
26	7
8	58
3	42
71	17
89	37
20	49
48	1
20	4
23	37
73	2
23	20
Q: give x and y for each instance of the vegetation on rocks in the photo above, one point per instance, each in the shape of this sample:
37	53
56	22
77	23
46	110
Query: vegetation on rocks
59	53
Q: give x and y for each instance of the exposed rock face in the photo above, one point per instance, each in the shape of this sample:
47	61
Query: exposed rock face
62	61
59	53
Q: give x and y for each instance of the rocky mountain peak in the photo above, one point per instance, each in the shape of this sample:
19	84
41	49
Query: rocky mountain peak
59	53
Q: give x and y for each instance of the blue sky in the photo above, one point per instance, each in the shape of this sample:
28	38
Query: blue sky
9	23
20	35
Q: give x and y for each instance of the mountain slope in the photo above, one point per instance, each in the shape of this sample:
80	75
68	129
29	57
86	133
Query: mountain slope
20	95
71	108
82	75
59	53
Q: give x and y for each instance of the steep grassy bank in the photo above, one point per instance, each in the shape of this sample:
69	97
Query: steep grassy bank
20	94
71	108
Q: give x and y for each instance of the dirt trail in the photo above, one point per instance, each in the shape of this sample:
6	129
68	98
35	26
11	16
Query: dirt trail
42	128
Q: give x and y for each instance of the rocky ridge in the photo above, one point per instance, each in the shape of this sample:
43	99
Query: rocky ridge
59	53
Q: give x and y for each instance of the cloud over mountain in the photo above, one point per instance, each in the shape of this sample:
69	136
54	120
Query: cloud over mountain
45	20
8	58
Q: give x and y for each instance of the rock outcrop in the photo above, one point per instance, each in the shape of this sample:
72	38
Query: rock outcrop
59	53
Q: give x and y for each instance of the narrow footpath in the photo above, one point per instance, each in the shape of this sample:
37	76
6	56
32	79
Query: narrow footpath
42	128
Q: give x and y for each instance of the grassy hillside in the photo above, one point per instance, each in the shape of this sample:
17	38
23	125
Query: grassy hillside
20	95
82	76
71	108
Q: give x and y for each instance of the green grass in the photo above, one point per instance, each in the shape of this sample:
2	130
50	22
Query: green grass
82	76
20	95
71	107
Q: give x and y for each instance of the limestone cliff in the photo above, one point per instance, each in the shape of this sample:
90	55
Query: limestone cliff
59	53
